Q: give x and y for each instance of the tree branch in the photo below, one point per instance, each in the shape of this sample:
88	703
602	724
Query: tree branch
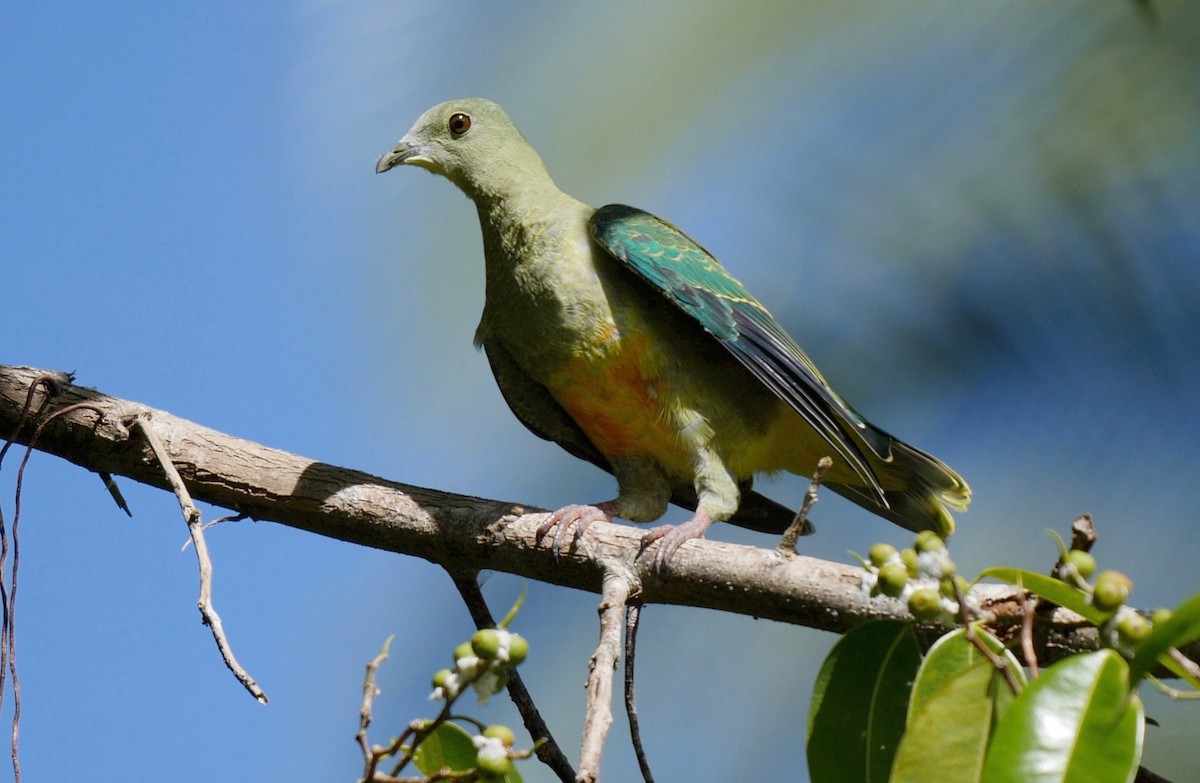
463	533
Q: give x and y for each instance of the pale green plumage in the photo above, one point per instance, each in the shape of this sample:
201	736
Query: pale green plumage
617	336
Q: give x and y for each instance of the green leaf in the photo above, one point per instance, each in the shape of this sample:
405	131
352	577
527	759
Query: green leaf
447	747
451	747
1053	590
947	737
1077	723
955	701
1182	627
950	655
859	702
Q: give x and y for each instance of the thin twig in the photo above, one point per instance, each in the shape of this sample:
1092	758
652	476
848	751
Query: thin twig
1027	648
217	521
191	515
8	637
615	592
549	752
998	661
800	525
633	615
370	691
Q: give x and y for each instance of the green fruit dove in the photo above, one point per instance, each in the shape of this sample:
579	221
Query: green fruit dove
614	334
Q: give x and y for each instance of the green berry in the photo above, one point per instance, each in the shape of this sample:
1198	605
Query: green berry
928	541
1133	627
440	677
1085	564
909	558
946	586
463	651
518	649
892	579
881	553
925	603
492	767
1111	590
486	643
1160	616
502	733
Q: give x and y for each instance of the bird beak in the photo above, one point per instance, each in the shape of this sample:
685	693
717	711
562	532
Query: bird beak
400	154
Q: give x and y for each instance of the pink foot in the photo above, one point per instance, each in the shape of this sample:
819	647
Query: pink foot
671	537
578	516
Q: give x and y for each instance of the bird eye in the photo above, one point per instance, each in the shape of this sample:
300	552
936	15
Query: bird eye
459	124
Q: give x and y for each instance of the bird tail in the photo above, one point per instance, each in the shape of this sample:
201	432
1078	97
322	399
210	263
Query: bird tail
918	488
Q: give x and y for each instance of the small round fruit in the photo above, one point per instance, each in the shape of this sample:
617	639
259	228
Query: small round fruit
1085	564
881	553
1160	616
1111	590
893	577
486	643
928	541
502	733
925	603
909	558
518	649
440	677
1133	627
946	586
492	766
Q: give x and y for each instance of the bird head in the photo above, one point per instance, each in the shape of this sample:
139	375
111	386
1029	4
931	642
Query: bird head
471	142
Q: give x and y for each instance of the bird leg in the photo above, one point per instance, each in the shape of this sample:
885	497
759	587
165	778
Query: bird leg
578	515
673	536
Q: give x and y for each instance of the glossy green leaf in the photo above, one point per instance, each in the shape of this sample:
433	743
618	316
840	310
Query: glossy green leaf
451	747
448	747
952	654
1182	627
955	701
1076	723
946	739
859	702
1053	590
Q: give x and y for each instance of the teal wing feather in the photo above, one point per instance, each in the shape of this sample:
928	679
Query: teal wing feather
688	275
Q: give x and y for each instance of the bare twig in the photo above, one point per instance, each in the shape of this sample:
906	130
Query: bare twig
998	661
548	752
633	615
800	525
8	636
1027	649
191	515
617	587
370	691
8	586
214	523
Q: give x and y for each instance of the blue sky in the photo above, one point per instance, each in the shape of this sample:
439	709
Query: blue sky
978	220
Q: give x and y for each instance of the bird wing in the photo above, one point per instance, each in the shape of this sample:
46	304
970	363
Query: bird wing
694	281
536	408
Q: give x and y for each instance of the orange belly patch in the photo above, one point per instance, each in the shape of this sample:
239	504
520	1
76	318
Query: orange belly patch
619	401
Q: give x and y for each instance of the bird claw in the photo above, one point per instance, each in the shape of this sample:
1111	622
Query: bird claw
671	537
577	515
